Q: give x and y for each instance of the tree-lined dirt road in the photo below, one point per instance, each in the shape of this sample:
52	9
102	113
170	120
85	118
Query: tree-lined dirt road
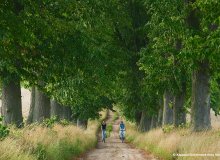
113	149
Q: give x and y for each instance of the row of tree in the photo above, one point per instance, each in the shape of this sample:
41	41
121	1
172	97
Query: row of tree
157	60
179	64
58	49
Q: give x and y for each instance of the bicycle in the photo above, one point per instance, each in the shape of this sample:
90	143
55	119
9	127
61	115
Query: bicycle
122	135
103	135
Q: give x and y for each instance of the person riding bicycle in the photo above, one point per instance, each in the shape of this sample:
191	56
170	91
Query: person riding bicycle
122	130
103	127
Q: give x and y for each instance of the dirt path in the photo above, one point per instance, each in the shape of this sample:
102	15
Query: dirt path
113	149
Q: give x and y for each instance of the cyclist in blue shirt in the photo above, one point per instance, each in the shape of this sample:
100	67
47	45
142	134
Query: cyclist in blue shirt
122	131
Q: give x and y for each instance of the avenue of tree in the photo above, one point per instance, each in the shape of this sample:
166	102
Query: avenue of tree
156	60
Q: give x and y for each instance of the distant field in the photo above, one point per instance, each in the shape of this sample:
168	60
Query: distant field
215	120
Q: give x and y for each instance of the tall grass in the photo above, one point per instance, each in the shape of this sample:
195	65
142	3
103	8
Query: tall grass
180	141
41	143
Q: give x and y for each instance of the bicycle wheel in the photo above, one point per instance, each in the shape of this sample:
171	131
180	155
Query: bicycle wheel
122	137
103	136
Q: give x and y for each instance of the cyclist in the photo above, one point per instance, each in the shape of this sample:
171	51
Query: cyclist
103	127
122	131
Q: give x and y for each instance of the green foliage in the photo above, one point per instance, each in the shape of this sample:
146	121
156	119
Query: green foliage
50	122
88	57
215	97
109	129
40	152
187	125
4	131
115	116
168	128
64	122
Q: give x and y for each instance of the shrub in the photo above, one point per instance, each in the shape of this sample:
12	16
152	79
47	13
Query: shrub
50	122
186	125
64	122
168	128
4	131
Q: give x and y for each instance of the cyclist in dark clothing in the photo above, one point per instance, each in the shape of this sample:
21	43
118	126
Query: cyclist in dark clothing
103	127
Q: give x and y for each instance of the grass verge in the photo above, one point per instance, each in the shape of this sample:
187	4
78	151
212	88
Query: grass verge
180	141
42	143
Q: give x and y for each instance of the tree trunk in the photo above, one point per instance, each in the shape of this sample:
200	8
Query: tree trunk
200	116
153	122
41	107
11	102
56	109
31	111
138	117
160	113
167	110
67	113
145	122
201	98
82	123
179	113
160	117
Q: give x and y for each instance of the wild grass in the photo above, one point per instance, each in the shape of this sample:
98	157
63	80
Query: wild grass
59	142
181	141
41	143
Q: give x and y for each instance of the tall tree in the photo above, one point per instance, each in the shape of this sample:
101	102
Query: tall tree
201	42
11	102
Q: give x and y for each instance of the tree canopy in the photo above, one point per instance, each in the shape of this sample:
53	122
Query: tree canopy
94	54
